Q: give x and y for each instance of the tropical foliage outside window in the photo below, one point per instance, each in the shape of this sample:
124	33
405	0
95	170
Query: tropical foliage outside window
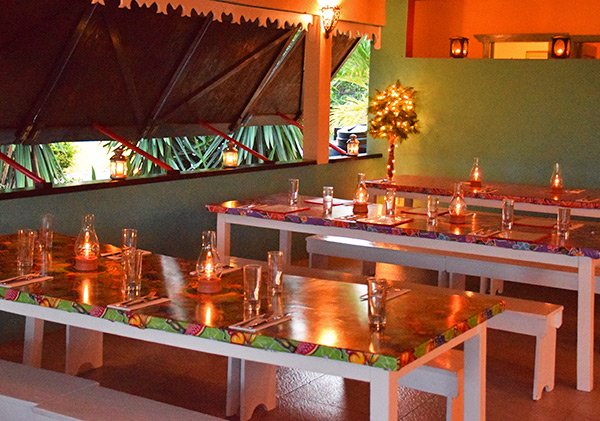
349	103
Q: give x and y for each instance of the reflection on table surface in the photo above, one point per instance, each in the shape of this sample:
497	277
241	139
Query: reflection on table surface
328	318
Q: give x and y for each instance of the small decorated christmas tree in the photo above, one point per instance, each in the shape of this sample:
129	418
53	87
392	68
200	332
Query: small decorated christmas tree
394	118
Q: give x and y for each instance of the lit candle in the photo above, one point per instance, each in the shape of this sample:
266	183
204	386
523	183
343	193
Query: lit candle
475	175
556	181
361	196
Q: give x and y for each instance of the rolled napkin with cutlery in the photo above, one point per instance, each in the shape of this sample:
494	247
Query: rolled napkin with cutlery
118	254
392	293
137	303
22	280
260	322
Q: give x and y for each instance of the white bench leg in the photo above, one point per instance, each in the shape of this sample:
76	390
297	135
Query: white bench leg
457	281
257	387
496	286
383	396
285	245
84	350
232	405
484	285
474	372
443	279
455	406
545	362
34	342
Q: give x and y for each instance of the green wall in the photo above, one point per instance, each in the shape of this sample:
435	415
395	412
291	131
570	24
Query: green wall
517	116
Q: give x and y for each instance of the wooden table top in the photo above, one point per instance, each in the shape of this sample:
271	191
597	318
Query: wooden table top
328	318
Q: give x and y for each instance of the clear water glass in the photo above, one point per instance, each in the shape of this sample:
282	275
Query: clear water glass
275	271
293	194
390	202
327	200
376	302
508	213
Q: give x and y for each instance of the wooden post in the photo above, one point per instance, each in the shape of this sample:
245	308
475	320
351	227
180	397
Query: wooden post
315	97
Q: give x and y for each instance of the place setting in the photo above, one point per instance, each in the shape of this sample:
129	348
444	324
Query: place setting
256	287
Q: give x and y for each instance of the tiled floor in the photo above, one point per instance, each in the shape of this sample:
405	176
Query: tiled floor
197	381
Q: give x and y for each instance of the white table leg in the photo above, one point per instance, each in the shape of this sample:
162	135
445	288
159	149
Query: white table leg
34	342
474	375
383	396
257	387
585	324
232	405
285	245
223	238
84	350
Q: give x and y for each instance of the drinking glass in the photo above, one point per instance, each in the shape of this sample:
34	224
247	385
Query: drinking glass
327	200
46	233
433	204
390	202
25	248
508	213
275	271
293	194
129	236
376	300
563	220
252	275
132	267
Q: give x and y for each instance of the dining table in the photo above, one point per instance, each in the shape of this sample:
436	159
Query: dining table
325	330
533	198
532	241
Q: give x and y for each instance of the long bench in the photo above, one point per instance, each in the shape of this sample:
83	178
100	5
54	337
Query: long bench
521	316
28	393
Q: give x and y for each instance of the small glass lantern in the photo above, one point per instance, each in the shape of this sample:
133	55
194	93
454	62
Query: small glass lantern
560	47
556	181
459	47
208	266
87	246
230	156
353	145
361	196
475	176
118	165
458	207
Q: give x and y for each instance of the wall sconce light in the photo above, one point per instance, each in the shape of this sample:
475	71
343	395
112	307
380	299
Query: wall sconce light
459	47
118	165
560	47
330	15
230	156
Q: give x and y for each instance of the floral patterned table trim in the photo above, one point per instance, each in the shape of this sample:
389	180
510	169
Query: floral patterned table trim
403	230
254	340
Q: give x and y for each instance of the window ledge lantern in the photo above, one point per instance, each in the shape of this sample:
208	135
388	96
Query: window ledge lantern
353	145
230	156
118	165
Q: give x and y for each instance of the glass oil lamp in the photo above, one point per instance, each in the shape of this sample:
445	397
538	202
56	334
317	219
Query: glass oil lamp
230	156
87	246
118	165
458	207
475	177
556	181
208	266
353	145
361	196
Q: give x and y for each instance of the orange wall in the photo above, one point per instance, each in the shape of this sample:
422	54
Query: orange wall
437	20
